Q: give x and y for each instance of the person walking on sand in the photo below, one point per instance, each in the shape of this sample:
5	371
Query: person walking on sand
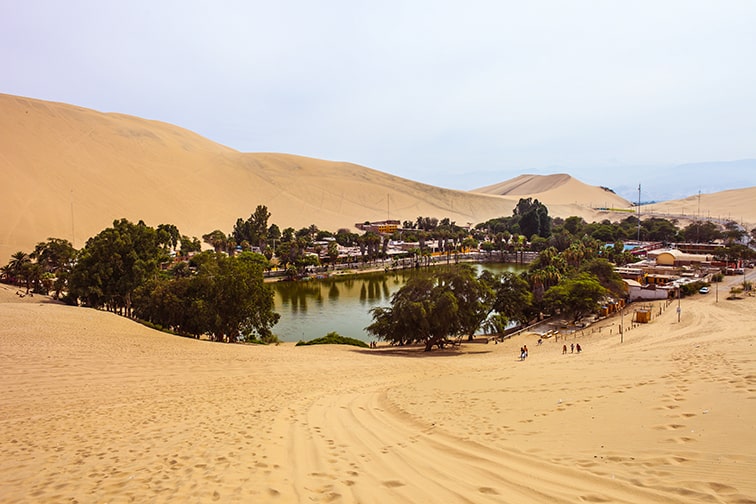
564	349
578	348
572	347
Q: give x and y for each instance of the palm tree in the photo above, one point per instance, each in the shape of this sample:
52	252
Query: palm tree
16	266
5	273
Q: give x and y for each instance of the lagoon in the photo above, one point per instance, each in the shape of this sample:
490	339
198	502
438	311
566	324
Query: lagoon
313	308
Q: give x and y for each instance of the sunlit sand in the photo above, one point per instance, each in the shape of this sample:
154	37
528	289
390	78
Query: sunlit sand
96	408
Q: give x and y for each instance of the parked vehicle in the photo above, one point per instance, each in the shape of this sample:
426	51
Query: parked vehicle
703	290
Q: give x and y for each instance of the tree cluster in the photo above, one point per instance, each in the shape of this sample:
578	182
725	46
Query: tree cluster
434	308
159	275
130	269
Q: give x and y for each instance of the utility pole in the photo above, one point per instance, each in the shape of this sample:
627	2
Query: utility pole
73	229
698	227
639	210
678	303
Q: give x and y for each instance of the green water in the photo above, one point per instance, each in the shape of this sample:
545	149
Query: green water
313	308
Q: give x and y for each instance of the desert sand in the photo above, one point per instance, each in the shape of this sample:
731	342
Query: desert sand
96	408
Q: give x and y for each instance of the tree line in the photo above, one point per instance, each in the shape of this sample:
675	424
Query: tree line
162	277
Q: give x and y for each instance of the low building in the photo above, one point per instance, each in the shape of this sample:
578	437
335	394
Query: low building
382	227
678	258
636	291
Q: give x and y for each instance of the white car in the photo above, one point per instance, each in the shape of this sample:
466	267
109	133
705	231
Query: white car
703	290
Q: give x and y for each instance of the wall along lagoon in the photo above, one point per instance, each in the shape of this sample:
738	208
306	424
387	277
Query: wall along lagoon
311	309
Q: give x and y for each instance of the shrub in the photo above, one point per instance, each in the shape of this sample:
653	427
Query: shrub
334	338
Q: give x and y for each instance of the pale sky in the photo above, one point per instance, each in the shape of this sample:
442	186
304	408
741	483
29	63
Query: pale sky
454	94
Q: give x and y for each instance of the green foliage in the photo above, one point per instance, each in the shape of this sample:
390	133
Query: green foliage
226	299
534	218
334	338
513	300
189	245
701	232
734	252
433	307
574	225
604	273
530	217
254	230
576	297
216	239
691	288
55	258
114	263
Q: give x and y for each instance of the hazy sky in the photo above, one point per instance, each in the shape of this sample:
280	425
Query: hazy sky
455	94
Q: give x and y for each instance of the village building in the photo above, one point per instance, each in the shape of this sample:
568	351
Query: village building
662	272
382	227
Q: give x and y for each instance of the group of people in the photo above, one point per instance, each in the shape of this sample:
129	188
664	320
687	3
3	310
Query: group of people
523	352
573	347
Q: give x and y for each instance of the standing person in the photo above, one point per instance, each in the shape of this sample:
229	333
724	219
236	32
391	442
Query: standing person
572	347
578	348
525	348
564	349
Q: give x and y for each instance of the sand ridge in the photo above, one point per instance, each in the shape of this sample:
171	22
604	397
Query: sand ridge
96	408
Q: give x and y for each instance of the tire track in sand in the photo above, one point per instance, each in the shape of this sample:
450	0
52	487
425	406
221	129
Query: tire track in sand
360	447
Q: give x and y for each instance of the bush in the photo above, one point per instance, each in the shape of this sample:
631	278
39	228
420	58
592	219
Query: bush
334	338
692	288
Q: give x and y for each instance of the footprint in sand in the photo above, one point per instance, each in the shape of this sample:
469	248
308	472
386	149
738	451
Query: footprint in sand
488	491
393	483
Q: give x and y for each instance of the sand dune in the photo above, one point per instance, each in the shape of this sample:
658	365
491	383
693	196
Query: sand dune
99	409
738	205
72	171
558	189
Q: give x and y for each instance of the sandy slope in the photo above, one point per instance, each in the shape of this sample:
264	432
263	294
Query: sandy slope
72	171
96	408
69	172
738	205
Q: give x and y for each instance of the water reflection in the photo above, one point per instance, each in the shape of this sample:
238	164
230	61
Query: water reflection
311	309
